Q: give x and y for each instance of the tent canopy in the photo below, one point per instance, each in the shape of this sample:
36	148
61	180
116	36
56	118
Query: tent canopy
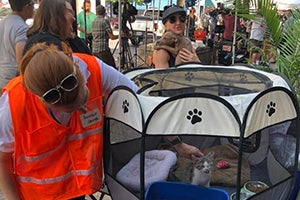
209	3
287	4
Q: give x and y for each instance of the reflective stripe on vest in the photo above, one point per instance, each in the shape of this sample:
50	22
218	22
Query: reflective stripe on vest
74	137
61	178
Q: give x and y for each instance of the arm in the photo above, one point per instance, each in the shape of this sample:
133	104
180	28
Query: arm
112	78
80	20
187	56
19	50
7	183
109	31
161	59
81	30
112	36
184	149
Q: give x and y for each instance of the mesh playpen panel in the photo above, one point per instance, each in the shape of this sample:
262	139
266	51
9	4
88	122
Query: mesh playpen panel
254	130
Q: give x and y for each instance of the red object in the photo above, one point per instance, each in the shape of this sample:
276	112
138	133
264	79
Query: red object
222	164
155	26
199	35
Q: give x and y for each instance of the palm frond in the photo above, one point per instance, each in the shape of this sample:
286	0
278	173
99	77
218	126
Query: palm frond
289	54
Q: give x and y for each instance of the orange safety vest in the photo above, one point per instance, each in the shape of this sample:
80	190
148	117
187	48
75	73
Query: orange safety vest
53	161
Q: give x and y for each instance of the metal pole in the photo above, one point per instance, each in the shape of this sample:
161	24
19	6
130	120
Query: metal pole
145	50
234	37
85	39
120	31
153	20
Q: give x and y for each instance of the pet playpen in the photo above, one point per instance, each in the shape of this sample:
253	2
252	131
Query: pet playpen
249	118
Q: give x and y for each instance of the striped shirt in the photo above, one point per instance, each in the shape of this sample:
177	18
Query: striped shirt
100	30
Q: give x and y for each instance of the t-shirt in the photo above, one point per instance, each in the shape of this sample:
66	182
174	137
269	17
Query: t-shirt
12	31
228	21
258	29
81	22
100	30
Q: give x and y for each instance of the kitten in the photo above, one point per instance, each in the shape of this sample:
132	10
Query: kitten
196	171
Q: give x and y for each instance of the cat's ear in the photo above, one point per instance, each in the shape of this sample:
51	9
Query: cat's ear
210	155
194	158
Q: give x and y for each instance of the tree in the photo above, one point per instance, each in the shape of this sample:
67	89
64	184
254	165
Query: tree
288	52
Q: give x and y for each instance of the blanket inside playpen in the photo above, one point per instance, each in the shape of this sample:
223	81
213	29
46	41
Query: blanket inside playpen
228	176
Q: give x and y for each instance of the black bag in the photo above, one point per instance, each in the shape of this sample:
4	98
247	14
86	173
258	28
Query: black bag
79	46
220	29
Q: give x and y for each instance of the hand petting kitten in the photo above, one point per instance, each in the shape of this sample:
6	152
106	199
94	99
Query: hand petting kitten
186	150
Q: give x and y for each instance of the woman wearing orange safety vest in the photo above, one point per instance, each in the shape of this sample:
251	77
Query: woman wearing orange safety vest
52	125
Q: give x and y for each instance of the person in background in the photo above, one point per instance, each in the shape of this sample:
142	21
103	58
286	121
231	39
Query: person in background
228	21
257	33
287	25
13	38
102	32
289	20
53	20
191	23
53	116
84	21
205	20
174	19
213	19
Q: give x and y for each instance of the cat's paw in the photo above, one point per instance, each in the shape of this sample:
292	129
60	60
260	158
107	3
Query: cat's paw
222	164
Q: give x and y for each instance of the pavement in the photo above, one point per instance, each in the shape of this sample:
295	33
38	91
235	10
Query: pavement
139	54
96	195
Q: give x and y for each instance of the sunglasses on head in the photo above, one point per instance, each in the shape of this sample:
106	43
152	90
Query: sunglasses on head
69	83
174	18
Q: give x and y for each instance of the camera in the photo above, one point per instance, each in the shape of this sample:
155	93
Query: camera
128	11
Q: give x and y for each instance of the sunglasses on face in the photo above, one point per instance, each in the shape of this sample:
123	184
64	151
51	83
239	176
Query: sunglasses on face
173	19
31	3
69	83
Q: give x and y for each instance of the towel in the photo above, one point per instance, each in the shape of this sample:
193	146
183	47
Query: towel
157	167
228	176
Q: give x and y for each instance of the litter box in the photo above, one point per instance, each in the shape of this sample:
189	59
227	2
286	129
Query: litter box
164	190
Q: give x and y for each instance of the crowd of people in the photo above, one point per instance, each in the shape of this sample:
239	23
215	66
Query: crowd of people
218	24
54	88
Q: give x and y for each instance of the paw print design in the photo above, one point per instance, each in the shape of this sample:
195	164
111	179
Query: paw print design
189	76
271	108
125	106
194	116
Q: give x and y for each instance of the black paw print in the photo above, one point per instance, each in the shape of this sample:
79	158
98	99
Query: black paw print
194	116
271	108
125	106
189	76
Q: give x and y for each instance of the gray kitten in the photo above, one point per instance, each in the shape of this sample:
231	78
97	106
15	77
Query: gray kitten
196	171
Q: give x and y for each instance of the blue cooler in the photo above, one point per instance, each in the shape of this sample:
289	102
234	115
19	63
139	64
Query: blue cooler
178	191
296	188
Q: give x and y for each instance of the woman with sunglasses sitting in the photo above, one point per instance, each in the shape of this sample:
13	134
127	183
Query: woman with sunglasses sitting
174	19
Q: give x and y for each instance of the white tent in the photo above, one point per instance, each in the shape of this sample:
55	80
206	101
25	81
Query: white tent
287	4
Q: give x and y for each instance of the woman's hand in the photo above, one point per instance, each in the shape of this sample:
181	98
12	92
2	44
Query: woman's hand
186	150
187	56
